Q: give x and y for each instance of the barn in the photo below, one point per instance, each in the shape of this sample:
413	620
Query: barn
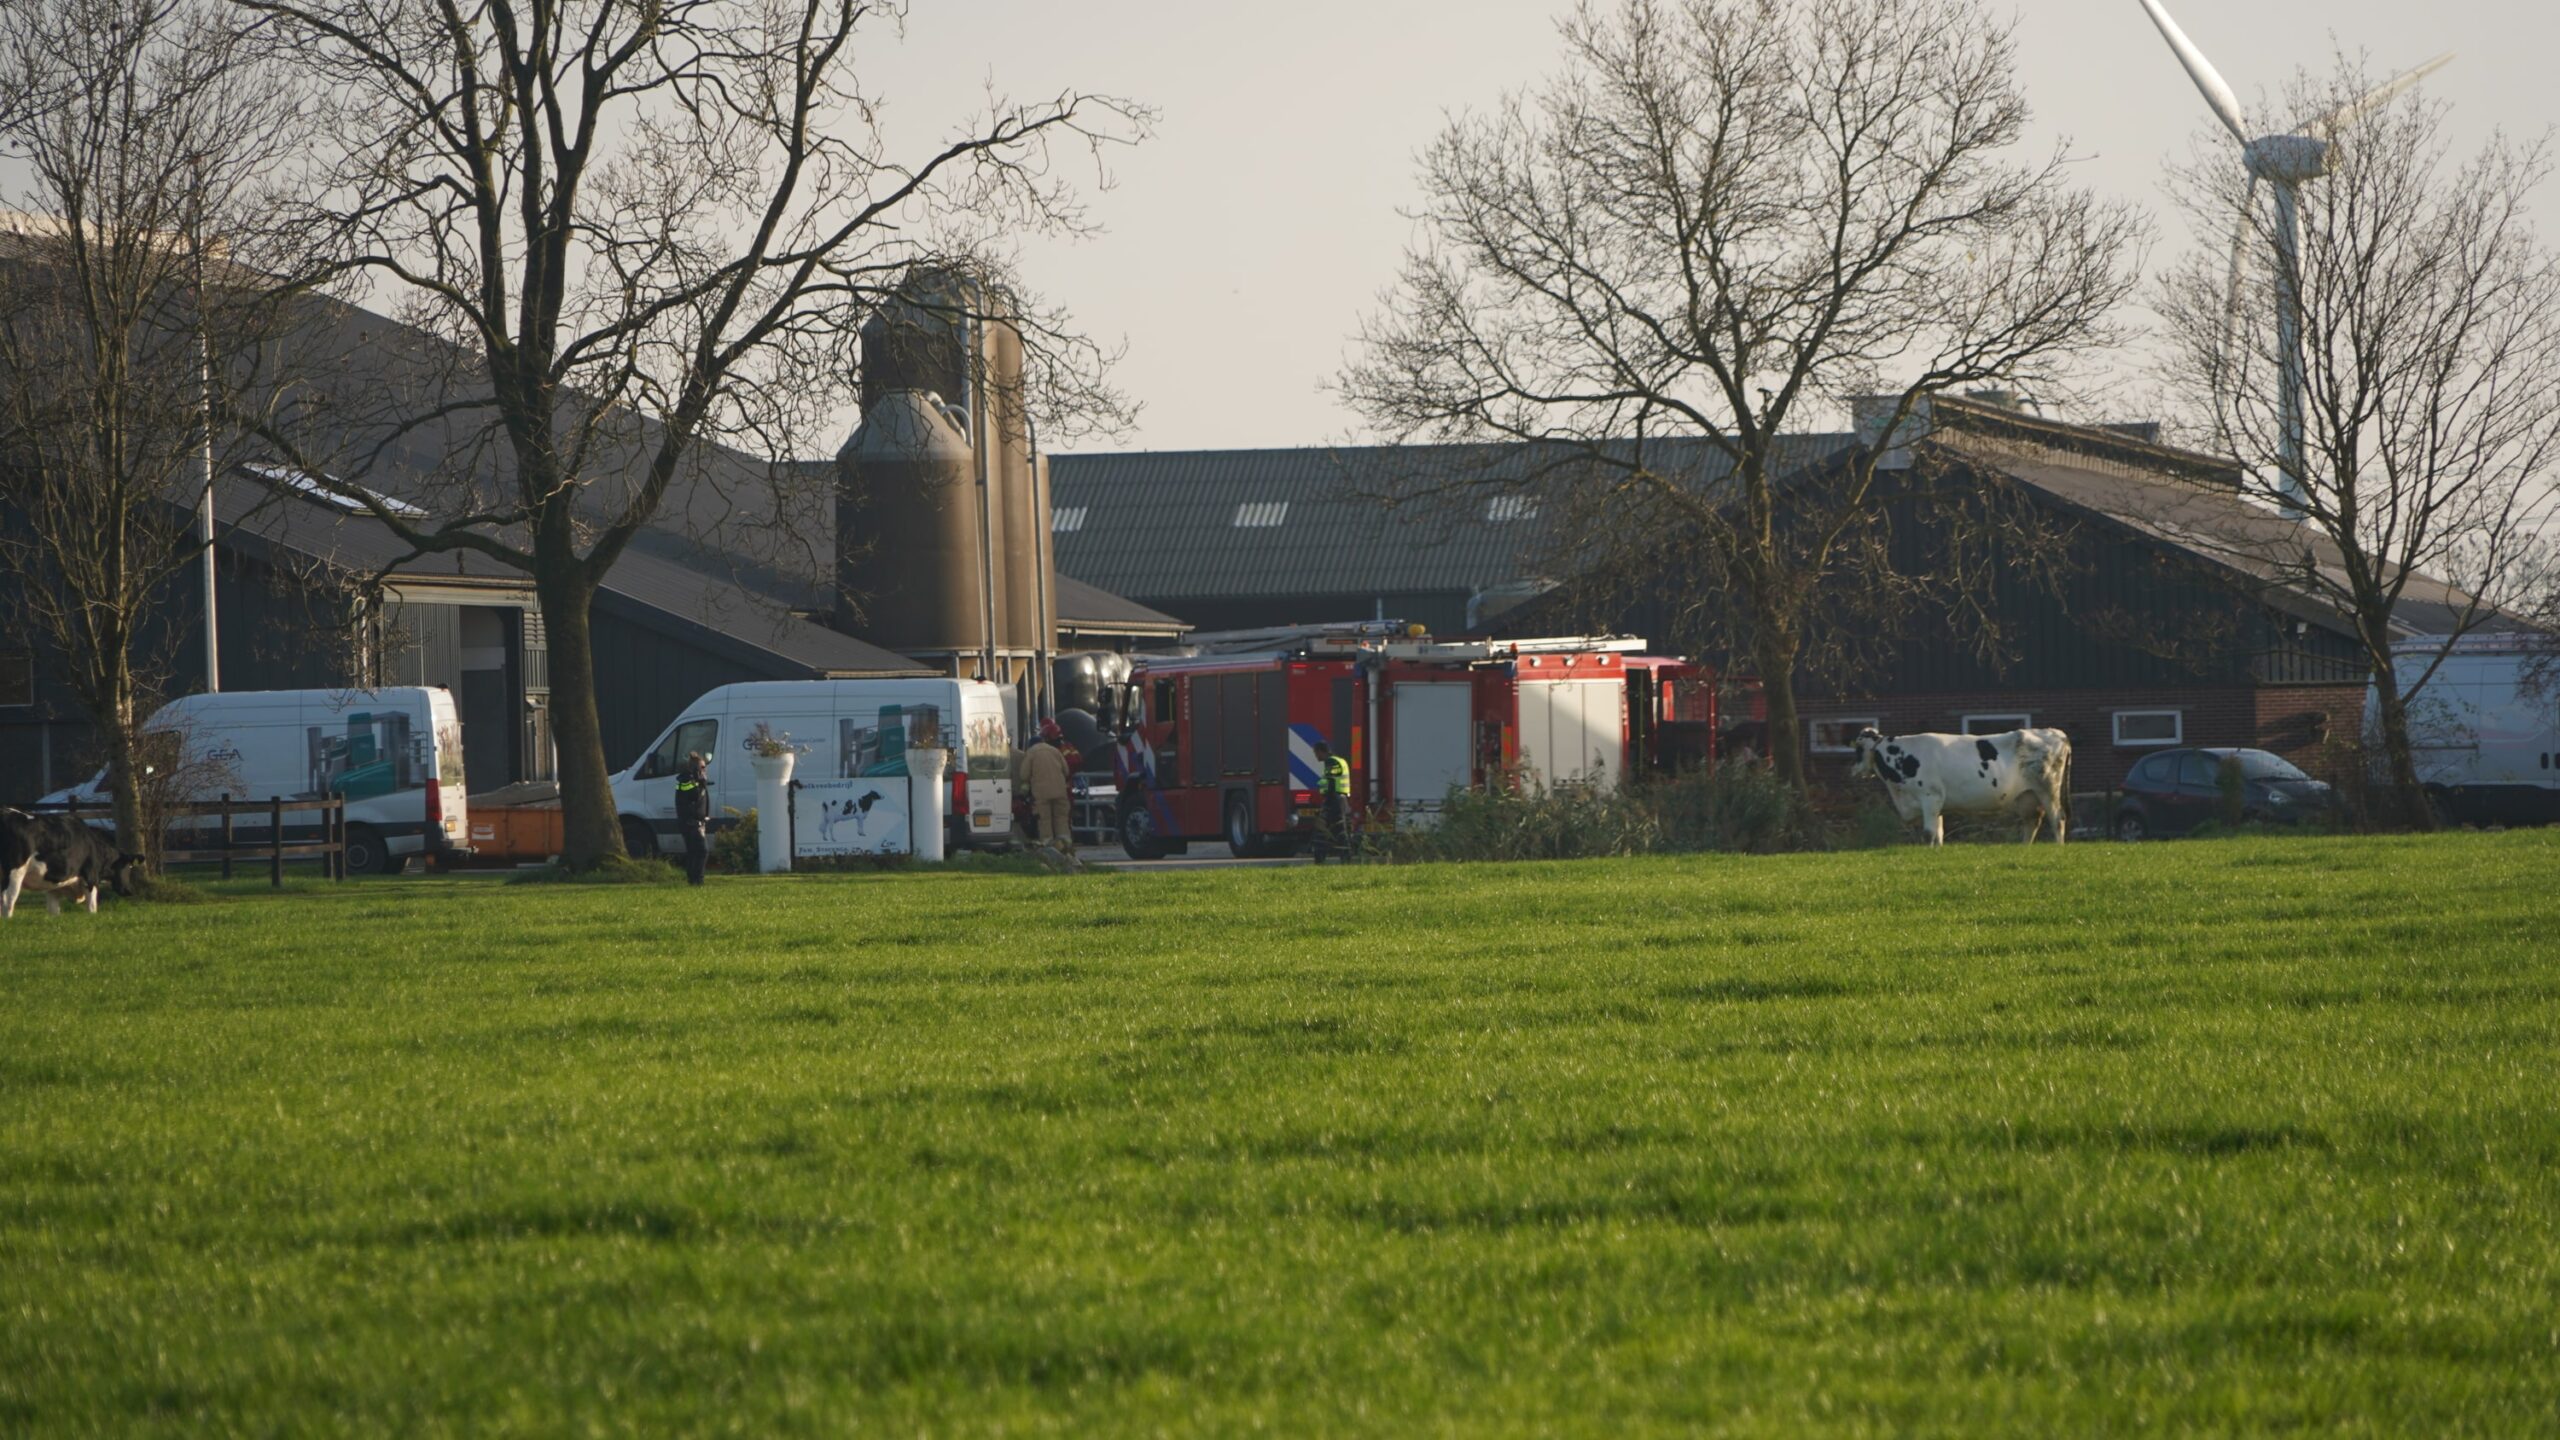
2152	629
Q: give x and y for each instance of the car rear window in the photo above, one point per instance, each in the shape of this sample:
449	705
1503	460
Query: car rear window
2259	765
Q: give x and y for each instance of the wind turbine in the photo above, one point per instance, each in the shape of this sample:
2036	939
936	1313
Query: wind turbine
2284	162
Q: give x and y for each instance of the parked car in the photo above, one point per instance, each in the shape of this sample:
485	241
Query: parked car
2174	791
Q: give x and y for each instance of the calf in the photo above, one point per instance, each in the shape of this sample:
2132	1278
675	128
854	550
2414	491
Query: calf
2020	773
50	854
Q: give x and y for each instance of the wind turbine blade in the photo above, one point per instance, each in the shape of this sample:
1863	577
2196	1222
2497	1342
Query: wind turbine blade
2228	361
2226	106
2374	99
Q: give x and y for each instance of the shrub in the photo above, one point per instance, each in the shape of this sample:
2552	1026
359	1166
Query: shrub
1874	826
734	849
1732	807
1736	807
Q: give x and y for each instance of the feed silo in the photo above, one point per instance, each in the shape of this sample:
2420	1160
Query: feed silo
943	515
908	541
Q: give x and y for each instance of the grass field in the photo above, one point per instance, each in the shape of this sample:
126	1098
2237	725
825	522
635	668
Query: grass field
2224	1136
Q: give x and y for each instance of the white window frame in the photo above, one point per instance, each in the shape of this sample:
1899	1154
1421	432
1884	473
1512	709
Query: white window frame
2177	729
2025	721
1851	723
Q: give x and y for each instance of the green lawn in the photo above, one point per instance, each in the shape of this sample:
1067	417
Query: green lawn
2221	1136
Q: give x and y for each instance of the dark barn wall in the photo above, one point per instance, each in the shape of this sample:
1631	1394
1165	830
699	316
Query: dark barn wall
645	676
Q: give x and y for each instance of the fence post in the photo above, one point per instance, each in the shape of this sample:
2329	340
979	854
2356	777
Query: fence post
275	841
338	849
226	834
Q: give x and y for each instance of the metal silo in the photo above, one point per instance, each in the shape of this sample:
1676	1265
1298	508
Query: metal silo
948	336
909	544
917	340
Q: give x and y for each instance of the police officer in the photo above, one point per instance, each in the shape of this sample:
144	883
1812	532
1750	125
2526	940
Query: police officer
1333	832
693	813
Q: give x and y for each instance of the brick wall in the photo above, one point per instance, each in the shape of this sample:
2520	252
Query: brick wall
2299	722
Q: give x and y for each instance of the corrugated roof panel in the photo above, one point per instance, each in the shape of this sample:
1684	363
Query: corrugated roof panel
1352	520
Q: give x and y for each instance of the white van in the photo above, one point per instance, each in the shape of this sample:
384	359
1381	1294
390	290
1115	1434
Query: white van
846	730
394	753
2486	736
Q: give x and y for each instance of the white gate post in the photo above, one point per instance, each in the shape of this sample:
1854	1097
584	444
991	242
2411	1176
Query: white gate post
924	827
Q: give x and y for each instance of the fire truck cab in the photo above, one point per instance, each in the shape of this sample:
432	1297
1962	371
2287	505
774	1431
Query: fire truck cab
1222	741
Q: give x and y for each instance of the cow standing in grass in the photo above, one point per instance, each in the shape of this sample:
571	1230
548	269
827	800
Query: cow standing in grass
2025	774
53	856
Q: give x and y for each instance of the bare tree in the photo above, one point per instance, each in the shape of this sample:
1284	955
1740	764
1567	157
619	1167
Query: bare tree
1727	218
2430	380
633	229
125	322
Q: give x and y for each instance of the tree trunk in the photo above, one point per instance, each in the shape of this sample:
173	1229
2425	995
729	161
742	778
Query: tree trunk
590	831
1774	652
2399	759
124	787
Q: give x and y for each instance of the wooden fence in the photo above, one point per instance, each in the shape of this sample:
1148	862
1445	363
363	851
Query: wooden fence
324	840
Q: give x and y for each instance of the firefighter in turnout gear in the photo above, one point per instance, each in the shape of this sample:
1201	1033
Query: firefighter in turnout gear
1333	785
693	814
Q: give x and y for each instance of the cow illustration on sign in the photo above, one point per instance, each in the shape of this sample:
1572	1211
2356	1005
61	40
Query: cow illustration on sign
856	809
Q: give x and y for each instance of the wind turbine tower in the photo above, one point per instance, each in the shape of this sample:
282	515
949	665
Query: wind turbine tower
2283	161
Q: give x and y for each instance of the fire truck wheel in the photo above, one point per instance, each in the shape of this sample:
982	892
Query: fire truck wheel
1138	834
1241	841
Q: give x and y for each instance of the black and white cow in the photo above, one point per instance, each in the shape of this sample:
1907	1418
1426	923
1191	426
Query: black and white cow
2025	774
54	854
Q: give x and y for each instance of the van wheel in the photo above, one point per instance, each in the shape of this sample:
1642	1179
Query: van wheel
638	840
366	854
1241	841
1138	835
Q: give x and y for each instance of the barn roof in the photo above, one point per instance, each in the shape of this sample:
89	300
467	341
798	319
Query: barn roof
1354	520
642	584
2185	501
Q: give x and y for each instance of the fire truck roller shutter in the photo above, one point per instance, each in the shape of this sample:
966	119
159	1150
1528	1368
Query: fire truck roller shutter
1236	705
1207	728
1573	732
1272	728
1430	724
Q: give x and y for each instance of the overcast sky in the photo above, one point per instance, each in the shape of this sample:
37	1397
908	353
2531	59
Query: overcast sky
1247	239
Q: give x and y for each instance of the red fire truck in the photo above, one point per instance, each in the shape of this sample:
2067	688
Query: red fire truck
1222	742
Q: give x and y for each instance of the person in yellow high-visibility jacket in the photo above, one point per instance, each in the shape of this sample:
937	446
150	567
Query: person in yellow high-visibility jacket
1333	786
